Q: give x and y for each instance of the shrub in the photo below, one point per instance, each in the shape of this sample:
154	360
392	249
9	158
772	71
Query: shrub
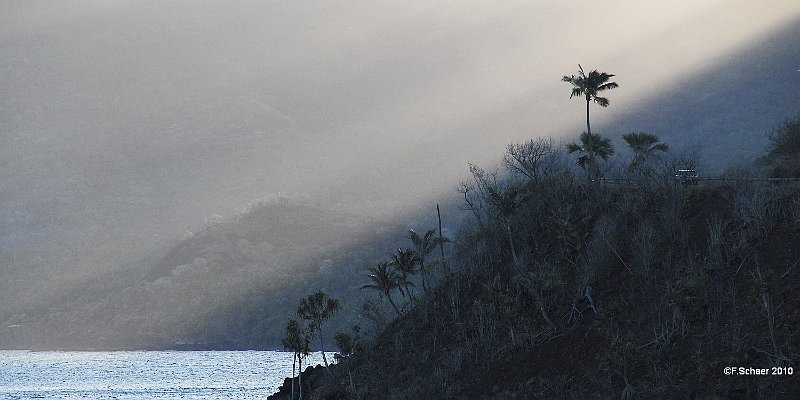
785	137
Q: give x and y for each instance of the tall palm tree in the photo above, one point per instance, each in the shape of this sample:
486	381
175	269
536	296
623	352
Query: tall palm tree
297	341
423	246
404	262
591	147
384	280
588	86
316	309
644	146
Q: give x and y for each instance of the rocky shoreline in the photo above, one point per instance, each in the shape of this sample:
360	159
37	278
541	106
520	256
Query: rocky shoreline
311	378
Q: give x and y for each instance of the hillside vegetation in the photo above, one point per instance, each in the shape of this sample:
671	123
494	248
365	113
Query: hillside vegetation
569	288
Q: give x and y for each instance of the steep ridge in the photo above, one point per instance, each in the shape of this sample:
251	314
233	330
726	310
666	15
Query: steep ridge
564	288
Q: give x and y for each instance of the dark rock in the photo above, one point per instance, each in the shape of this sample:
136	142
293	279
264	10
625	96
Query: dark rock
312	377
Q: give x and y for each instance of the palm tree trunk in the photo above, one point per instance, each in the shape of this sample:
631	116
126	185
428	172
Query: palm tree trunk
350	374
406	283
402	288
322	349
300	377
441	241
389	296
294	362
514	256
422	272
594	168
588	127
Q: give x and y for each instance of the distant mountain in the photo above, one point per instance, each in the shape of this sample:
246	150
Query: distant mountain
230	285
272	235
725	110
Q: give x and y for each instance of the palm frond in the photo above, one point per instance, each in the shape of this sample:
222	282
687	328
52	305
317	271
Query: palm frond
602	101
607	86
643	143
573	147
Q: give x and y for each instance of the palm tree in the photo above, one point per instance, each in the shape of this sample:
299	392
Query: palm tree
644	146
384	280
347	345
297	341
591	147
588	86
317	308
423	246
404	262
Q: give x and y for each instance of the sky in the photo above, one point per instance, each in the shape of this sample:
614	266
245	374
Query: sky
125	123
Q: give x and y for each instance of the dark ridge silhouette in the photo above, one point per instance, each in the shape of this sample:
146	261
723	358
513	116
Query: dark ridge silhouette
566	288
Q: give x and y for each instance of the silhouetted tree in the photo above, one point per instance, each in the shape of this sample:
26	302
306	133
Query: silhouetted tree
784	154
297	341
316	309
535	158
347	342
644	146
384	280
347	345
591	147
588	86
423	246
785	137
404	262
503	205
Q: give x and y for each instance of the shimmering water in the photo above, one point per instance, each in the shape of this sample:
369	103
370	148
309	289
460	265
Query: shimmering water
128	375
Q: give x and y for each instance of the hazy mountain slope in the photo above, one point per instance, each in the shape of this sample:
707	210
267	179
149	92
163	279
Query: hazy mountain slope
231	285
727	109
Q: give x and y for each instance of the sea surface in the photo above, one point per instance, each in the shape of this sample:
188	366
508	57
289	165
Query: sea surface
145	374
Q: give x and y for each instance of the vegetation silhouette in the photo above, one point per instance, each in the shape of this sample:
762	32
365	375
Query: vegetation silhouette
645	146
588	87
384	280
640	289
316	309
404	261
423	246
590	148
296	340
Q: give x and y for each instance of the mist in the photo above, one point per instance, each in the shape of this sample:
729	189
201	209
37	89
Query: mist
125	123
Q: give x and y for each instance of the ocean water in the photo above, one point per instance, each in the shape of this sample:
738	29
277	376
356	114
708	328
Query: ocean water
128	375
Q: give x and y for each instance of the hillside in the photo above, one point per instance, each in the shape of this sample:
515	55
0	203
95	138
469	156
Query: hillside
564	288
230	285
